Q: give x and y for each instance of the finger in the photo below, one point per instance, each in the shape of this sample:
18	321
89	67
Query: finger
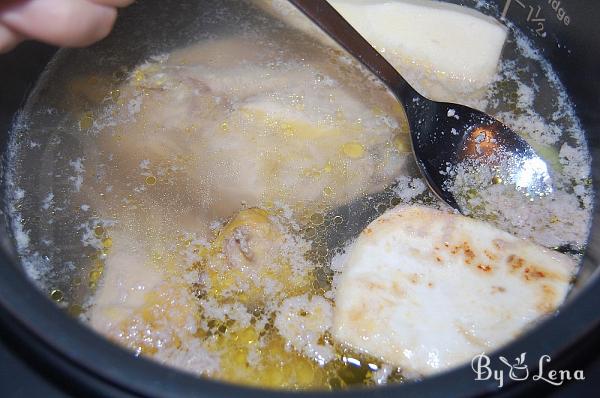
8	39
113	3
70	23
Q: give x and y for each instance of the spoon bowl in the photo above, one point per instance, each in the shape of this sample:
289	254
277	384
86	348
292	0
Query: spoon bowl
449	140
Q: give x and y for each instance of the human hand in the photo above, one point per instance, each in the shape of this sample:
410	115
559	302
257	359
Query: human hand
68	23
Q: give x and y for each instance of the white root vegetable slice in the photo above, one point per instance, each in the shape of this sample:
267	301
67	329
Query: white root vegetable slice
427	290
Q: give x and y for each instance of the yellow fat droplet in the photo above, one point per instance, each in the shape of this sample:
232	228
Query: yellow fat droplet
310	232
401	143
472	193
224	127
75	310
95	276
496	180
287	129
248	335
138	75
317	219
57	295
328	191
150	180
99	231
86	121
305	373
353	150
240	357
107	242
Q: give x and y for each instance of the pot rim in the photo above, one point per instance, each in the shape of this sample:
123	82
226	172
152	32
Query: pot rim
56	337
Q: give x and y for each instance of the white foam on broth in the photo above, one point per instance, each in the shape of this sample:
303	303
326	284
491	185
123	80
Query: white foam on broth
77	192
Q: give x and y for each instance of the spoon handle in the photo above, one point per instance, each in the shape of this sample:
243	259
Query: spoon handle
330	21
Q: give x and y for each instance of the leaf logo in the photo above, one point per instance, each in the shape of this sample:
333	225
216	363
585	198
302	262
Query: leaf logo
518	371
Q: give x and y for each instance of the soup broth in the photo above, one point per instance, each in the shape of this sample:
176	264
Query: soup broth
189	191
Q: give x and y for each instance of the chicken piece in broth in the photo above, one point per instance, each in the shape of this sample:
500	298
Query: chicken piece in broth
239	130
211	132
255	260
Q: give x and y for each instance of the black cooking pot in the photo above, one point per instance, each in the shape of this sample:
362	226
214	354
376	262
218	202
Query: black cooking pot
568	34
